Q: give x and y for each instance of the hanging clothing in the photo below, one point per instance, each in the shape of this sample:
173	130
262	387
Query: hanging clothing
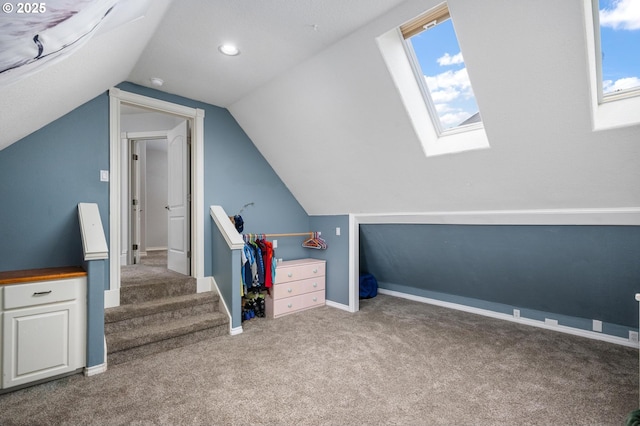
267	256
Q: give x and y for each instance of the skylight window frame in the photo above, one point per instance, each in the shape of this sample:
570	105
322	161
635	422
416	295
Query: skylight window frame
618	109
421	23
612	96
392	49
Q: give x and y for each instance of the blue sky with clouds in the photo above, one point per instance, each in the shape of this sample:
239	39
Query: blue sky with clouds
620	44
446	76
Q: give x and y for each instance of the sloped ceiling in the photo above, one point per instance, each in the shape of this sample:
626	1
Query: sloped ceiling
336	131
51	92
312	91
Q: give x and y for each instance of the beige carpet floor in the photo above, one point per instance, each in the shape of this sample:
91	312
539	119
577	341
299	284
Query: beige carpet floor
396	362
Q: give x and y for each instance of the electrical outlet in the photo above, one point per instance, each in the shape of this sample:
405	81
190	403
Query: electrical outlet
633	336
516	313
550	321
338	231
597	326
104	175
275	243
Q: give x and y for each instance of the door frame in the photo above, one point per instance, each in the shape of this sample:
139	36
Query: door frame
117	97
128	138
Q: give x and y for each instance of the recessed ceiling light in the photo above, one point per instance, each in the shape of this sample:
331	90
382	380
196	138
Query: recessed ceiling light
229	50
158	82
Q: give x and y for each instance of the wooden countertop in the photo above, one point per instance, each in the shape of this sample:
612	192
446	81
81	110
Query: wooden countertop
44	274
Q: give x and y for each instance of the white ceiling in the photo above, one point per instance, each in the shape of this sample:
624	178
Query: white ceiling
324	93
272	36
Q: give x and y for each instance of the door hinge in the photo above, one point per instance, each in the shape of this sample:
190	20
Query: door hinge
189	254
134	202
134	157
188	198
134	247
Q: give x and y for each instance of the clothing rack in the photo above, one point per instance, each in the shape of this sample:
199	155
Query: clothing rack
293	234
314	241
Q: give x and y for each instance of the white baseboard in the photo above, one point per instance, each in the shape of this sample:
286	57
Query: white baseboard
96	369
232	331
337	305
526	321
204	284
111	298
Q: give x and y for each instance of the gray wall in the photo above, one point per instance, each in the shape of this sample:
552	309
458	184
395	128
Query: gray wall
336	255
589	272
43	177
235	174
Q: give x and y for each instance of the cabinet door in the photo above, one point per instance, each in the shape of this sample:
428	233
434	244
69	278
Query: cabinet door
37	343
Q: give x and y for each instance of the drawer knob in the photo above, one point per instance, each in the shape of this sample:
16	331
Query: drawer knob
315	271
290	274
289	290
289	305
315	284
41	293
315	299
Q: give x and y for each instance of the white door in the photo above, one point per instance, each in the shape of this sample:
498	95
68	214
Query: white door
178	200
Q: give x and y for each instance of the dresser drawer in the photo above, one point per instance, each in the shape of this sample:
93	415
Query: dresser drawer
40	293
297	303
298	287
299	272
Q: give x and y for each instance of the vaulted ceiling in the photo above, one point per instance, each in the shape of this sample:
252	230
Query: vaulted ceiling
312	91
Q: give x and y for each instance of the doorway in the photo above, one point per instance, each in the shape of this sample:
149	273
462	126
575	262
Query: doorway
157	216
194	238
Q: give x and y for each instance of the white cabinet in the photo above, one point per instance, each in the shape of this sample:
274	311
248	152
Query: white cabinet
43	329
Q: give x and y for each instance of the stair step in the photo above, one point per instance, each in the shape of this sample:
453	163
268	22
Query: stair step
166	345
163	331
158	317
159	311
144	292
124	312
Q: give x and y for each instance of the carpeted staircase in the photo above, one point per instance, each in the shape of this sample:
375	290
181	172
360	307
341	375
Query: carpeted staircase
159	310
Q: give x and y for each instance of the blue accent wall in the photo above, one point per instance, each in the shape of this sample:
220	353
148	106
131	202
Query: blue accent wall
589	272
43	177
235	174
336	255
226	271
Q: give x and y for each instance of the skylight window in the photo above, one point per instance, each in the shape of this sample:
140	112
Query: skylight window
437	98
613	36
439	65
619	41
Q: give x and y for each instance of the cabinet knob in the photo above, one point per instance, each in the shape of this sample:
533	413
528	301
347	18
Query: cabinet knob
315	299
290	274
289	290
289	305
315	271
315	284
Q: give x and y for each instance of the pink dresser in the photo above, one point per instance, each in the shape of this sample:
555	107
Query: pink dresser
299	285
